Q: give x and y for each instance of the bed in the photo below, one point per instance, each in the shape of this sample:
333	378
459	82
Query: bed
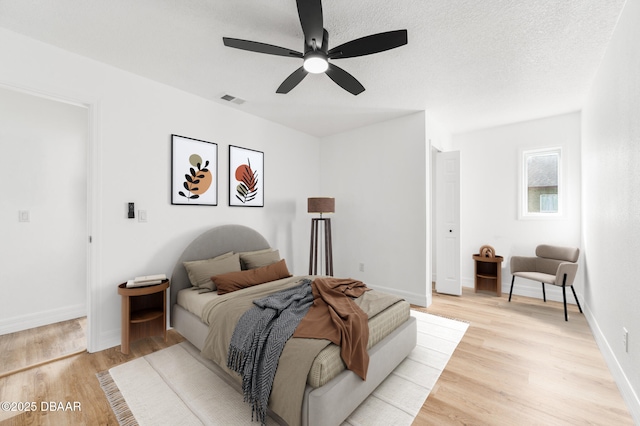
326	400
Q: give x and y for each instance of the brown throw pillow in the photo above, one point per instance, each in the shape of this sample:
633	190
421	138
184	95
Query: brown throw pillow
232	281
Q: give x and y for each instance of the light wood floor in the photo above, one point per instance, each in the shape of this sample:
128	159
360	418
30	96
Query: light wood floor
69	380
519	363
41	344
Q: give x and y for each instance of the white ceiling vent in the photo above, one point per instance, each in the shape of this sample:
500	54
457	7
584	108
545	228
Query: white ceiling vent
233	99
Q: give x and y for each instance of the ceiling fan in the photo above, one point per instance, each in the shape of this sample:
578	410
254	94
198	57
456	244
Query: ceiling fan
316	49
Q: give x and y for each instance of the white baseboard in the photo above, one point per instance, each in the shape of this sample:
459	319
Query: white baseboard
38	319
108	339
621	379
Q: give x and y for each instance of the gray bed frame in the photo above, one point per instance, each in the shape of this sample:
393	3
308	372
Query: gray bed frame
328	405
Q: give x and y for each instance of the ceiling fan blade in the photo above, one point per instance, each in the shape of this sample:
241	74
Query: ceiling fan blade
310	13
344	80
370	44
254	46
325	41
292	81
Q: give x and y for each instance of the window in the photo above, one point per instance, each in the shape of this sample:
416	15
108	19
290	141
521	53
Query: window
541	190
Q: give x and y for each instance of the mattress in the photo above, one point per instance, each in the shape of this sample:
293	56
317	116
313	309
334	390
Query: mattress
328	364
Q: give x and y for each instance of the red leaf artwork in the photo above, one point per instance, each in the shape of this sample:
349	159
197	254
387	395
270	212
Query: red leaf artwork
247	188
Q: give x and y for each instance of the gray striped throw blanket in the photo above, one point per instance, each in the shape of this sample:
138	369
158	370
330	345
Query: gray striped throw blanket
259	338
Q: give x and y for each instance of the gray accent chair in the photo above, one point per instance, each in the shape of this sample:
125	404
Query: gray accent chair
551	265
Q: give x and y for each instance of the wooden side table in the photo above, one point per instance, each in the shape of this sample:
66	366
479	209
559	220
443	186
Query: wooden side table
488	274
144	312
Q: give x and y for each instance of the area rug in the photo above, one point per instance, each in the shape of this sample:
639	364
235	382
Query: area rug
177	386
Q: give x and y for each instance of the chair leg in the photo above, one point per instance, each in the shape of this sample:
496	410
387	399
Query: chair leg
511	291
544	294
576	297
564	298
564	295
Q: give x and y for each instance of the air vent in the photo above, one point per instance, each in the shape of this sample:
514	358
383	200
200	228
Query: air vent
233	99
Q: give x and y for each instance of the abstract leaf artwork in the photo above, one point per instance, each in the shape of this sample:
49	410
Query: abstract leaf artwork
196	182
247	189
193	171
246	177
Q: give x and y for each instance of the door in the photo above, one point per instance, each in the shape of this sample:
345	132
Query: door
448	223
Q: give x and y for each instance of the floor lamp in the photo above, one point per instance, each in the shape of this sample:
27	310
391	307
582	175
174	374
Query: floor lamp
321	205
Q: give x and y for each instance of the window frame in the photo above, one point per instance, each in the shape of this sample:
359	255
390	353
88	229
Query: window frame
523	194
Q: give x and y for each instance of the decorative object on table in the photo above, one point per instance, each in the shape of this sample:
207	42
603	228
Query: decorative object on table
194	172
487	251
488	270
146	280
321	205
246	177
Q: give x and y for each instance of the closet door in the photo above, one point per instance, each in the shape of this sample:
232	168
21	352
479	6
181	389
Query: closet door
448	223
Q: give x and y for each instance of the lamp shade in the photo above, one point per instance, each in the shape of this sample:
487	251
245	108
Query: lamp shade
321	205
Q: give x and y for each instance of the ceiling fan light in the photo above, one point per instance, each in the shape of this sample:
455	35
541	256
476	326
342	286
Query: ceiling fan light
315	63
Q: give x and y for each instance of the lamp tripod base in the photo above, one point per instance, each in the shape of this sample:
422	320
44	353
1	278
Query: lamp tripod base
313	250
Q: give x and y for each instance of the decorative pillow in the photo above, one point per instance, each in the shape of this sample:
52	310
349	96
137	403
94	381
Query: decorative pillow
267	250
258	259
232	281
200	271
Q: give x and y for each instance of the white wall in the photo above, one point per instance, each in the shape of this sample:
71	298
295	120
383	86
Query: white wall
43	172
134	120
489	196
379	176
437	135
611	204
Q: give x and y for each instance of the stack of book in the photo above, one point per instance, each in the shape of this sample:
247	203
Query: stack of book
146	280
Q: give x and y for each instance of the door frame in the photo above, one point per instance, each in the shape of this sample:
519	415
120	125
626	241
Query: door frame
93	174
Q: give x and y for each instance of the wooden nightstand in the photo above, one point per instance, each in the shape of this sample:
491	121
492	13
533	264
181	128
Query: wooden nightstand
488	274
144	312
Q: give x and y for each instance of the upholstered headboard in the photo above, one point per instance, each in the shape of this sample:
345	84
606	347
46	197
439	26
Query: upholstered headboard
214	242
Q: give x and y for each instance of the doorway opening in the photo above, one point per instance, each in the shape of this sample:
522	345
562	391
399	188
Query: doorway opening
45	177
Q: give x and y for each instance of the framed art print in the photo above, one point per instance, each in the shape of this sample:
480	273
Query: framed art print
194	172
246	177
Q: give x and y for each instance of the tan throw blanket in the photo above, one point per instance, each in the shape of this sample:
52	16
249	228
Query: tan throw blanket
222	315
336	317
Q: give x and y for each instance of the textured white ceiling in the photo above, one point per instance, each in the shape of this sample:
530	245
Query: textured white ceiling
470	63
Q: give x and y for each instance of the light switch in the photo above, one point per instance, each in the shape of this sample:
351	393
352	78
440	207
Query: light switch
142	215
23	216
